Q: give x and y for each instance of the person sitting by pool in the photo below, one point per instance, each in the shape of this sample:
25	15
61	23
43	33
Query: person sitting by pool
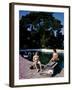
55	58
36	62
50	67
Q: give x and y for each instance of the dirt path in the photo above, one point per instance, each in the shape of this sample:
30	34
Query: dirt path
26	73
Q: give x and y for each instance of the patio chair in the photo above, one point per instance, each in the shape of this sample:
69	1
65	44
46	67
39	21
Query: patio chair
48	70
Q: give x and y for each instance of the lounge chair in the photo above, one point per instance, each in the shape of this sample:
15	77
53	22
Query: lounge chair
48	70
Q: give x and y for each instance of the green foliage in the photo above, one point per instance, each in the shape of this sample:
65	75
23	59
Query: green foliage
40	36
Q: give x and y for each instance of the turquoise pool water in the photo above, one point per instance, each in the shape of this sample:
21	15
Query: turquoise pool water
45	58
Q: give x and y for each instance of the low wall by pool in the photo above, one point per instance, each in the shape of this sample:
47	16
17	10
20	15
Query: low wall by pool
43	50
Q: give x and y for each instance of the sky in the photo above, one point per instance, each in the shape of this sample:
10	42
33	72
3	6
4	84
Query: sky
23	13
57	15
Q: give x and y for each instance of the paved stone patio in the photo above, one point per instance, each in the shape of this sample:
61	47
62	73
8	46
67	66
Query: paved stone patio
26	73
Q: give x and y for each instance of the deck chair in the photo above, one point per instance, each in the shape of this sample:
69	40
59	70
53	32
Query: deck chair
47	70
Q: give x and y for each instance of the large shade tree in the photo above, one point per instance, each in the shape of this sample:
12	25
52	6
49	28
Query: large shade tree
40	30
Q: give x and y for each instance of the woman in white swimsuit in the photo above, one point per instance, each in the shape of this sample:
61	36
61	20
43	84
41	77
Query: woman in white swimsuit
36	62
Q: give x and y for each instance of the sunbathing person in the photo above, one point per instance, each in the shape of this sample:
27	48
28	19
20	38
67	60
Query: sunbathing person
54	60
36	62
49	68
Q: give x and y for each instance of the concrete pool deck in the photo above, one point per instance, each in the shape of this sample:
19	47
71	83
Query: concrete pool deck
26	73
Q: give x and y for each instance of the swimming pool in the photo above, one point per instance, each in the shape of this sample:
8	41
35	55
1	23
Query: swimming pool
45	55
